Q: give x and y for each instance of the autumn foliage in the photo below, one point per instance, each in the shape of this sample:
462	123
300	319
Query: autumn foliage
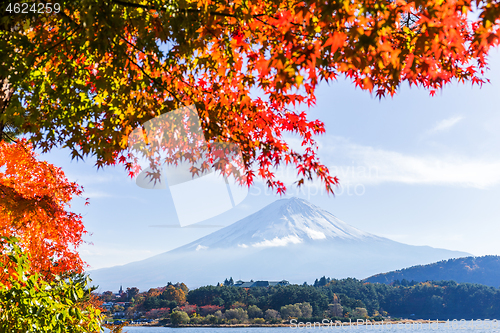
188	308
88	76
210	309
157	313
34	198
174	294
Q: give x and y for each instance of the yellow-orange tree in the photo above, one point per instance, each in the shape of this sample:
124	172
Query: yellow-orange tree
88	75
172	293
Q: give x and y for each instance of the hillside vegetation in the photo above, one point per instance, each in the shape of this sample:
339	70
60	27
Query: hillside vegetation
482	270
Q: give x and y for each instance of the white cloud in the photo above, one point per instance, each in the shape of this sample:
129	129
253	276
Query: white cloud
378	166
201	247
371	166
445	124
314	234
243	246
357	164
279	241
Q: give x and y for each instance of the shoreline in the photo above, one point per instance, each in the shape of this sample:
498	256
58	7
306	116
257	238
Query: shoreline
353	323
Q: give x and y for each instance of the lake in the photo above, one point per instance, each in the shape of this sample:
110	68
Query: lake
440	328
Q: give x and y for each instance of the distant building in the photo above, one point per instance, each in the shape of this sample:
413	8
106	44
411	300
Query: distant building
120	292
108	305
253	284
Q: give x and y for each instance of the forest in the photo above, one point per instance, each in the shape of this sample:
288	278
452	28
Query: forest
327	298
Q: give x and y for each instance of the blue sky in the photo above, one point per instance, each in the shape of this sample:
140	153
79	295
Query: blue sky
417	169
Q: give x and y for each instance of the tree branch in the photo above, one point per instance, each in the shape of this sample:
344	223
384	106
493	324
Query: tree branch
153	80
136	5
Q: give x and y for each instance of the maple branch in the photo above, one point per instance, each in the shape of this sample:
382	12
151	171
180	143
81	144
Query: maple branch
6	91
37	55
69	18
187	10
153	80
3	133
291	31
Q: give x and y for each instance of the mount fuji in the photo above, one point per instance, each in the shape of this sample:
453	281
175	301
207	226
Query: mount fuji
290	239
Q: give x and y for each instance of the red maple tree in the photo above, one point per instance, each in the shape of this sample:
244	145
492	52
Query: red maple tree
34	202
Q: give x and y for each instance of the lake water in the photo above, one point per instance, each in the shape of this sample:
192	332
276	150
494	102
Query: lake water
464	327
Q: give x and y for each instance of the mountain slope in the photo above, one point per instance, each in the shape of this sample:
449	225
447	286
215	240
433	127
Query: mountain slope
483	270
289	239
285	221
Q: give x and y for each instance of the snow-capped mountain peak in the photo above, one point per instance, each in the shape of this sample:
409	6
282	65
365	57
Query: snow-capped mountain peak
289	238
282	223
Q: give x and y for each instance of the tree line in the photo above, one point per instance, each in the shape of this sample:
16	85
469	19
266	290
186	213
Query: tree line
327	298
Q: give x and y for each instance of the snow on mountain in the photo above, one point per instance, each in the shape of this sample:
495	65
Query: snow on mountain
289	239
284	222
